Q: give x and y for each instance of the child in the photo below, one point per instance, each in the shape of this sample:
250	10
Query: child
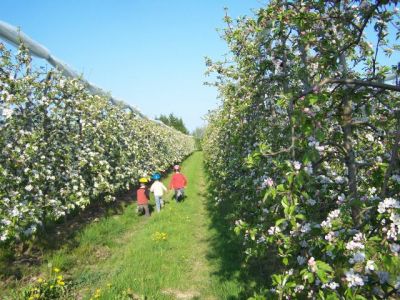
143	197
178	183
158	188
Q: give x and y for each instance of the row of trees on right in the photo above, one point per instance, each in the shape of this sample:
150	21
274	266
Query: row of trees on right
305	145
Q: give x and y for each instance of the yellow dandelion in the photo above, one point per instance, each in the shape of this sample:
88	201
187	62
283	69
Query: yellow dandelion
60	282
59	277
98	294
40	280
57	270
159	236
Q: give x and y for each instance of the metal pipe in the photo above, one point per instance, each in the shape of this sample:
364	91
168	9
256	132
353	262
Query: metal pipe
14	36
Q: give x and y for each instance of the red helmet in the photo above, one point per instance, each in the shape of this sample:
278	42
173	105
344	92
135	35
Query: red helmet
177	167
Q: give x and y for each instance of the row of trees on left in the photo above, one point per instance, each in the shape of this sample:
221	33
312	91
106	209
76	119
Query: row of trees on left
62	148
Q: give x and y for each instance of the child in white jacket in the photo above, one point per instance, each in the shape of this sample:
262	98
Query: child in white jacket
158	188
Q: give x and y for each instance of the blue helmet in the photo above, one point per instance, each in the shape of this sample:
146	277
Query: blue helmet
156	176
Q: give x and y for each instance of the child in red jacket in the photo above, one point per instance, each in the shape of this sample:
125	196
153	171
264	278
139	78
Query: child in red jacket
178	183
143	197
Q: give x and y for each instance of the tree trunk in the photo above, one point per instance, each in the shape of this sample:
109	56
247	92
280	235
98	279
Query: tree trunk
393	157
350	158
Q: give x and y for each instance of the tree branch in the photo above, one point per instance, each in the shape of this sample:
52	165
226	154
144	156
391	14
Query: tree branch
393	158
362	28
347	81
286	150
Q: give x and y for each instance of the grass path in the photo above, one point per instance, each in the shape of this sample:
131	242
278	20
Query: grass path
120	256
179	267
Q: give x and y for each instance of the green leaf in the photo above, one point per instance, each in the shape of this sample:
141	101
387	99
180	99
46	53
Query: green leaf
322	276
285	202
253	234
276	279
308	128
312	99
290	178
332	296
375	238
291	284
280	188
323	266
309	277
321	294
320	135
280	221
281	102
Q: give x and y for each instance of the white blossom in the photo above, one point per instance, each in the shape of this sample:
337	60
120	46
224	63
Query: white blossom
331	285
303	244
3	236
395	248
308	169
330	237
383	276
353	279
305	228
369	137
396	178
341	198
397	283
357	257
29	188
274	230
296	165
298	288
387	204
340	179
311	202
331	216
301	260
312	264
353	245
369	266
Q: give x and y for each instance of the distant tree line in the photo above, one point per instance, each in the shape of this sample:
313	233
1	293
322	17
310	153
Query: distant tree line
174	122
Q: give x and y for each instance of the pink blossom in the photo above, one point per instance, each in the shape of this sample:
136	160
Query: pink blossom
269	181
312	264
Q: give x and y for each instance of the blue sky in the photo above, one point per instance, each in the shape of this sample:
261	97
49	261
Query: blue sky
149	53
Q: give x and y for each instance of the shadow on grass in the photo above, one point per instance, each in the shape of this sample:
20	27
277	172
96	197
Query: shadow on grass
19	262
227	251
15	260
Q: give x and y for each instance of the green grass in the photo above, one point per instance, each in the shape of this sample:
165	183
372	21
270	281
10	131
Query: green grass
119	257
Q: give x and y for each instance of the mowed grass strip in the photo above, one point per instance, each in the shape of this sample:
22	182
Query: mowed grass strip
178	253
161	261
170	256
78	257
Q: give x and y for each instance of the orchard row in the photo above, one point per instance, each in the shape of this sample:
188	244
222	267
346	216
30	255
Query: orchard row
305	145
62	148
